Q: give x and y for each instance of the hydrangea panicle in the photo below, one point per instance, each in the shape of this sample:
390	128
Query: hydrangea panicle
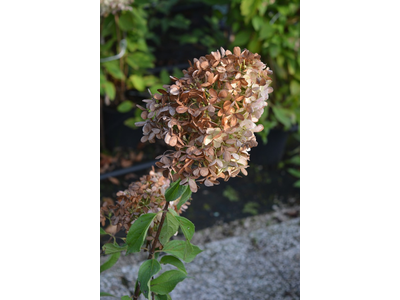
209	116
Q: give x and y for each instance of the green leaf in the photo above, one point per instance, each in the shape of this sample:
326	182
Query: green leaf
167	281
112	248
242	38
125	106
170	227
126	21
257	22
176	190
131	123
162	297
147	270
110	262
295	160
297	184
140	60
150	80
109	89
102	231
103	294
266	31
137	232
156	87
172	260
126	298
183	250
184	197
138	82
294	172
112	67
187	227
294	87
283	116
177	73
164	76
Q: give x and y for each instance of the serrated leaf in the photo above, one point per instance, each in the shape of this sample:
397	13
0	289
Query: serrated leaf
187	227
172	260
167	281
170	227
137	232
147	270
104	294
125	106
111	248
110	262
183	250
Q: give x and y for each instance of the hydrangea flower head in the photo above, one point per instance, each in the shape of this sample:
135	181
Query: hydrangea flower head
209	116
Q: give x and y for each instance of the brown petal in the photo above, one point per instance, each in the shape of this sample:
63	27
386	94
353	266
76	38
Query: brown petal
223	94
236	51
181	109
239	116
227	156
193	185
173	141
208	183
233	120
204	171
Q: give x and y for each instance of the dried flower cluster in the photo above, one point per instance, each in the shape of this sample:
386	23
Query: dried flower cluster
113	6
209	116
144	196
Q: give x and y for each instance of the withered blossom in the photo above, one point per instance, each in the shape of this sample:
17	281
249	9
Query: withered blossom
144	196
113	6
209	116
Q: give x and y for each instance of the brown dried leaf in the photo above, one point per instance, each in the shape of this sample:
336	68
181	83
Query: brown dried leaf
114	180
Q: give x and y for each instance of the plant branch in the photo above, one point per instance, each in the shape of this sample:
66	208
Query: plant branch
153	247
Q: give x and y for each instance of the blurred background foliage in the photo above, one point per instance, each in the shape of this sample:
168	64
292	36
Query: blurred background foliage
162	35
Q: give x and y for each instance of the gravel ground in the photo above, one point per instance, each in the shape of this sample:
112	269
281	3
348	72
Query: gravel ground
254	258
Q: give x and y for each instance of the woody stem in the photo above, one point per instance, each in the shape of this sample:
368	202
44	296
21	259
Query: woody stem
153	245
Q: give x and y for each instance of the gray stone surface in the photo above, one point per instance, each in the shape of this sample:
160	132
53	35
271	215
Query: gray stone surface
260	261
